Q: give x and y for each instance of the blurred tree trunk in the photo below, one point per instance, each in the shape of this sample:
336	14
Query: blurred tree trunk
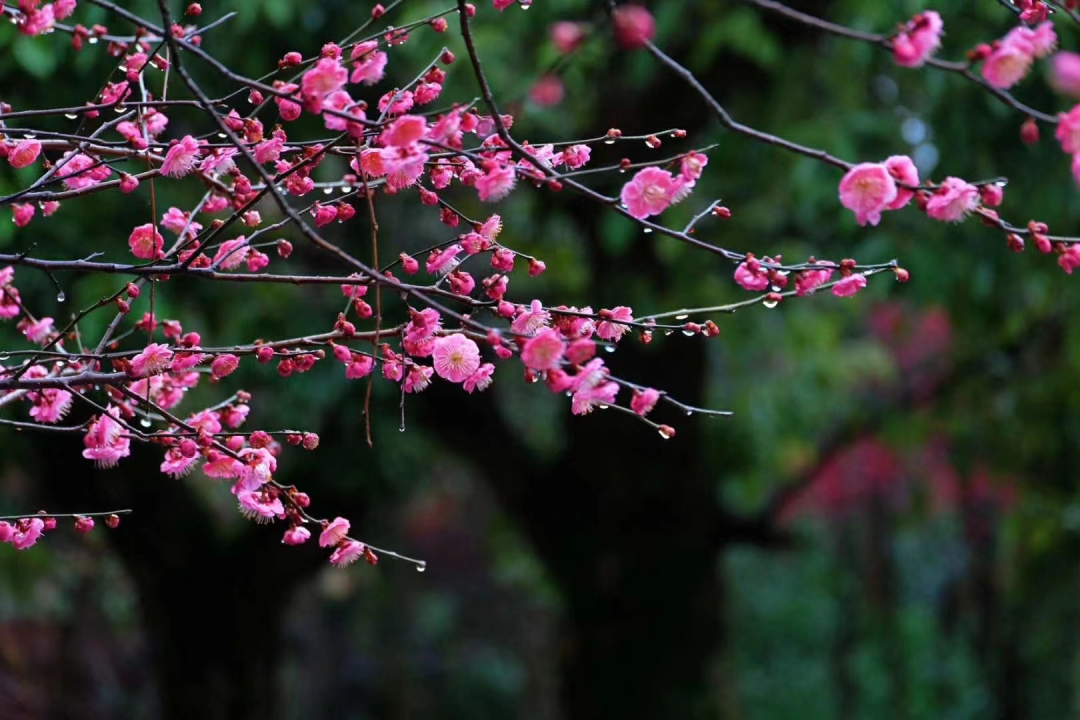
630	527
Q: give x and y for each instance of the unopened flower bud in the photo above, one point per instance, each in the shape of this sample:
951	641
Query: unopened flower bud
1029	132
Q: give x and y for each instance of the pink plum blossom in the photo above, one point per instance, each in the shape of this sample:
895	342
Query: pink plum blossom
692	165
576	156
587	398
27	532
103	441
24	154
544	350
850	285
904	172
952	201
296	535
1006	66
370	65
611	327
260	505
867	189
38	332
176	464
479	380
181	158
417	379
530	320
1012	56
644	401
456	357
807	281
155	359
51	405
1068	130
404	131
750	275
334	532
914	45
224	365
1065	73
1069	260
325	77
649	192
23	213
633	25
231	253
347	553
566	36
360	367
496	182
146	242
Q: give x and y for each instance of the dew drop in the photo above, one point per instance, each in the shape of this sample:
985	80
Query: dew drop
770	303
222	135
689	413
61	297
602	407
119	109
29	136
71	116
665	433
609	348
621	170
668	332
689	333
4	357
328	191
609	142
93	41
775	288
648	230
421	566
401	429
681	317
145	422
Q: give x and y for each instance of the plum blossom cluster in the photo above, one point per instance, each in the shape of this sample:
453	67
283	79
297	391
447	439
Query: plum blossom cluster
446	313
125	395
1007	61
918	39
25	532
652	190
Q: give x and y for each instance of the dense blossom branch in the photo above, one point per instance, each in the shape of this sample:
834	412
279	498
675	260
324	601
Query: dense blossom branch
455	322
